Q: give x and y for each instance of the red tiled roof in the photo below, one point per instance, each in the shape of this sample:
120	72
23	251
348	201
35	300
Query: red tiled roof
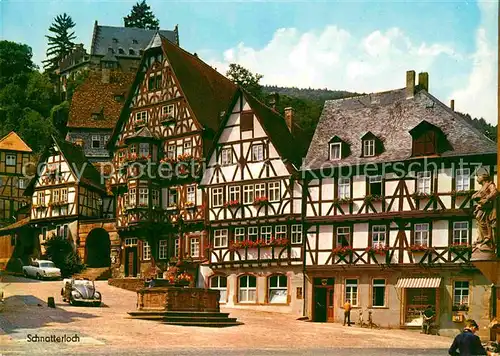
12	142
94	96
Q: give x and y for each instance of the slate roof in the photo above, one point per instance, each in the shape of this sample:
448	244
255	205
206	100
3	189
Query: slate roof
390	116
12	142
105	37
93	96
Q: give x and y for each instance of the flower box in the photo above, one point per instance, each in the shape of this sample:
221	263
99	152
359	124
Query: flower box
343	251
168	120
341	201
420	196
232	204
419	248
372	198
58	203
261	201
139	123
460	248
462	193
377	250
190	205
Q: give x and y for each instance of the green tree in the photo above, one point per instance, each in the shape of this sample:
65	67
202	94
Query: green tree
248	80
60	251
141	16
35	129
15	63
61	42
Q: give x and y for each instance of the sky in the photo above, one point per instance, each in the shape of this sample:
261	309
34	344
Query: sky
358	45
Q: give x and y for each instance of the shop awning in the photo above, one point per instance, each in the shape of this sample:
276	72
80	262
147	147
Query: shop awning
418	283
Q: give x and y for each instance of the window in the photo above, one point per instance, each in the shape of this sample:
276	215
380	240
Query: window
343	236
375	185
253	233
132	149
424	182
266	233
248	194
10	160
106	138
335	151
217	197
219	283
131	52
296	234
96	141
21	183
132	198
462	179
368	148
155	196
239	234
378	293
195	247
220	238
144	149
379	236
247	289
146	251
344	188
143	196
131	241
55	196
234	193
168	111
260	190
274	191
191	194
171	151
64	195
425	144
141	117
460	232
172	197
421	235
187	148
246	121
44	233
257	152
177	244
41	198
277	289
162	249
280	231
158	81
351	291
121	51
151	83
461	295
226	156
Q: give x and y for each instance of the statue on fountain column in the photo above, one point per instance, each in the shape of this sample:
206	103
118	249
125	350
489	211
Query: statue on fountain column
486	216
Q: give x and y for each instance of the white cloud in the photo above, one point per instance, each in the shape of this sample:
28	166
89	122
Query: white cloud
478	96
336	59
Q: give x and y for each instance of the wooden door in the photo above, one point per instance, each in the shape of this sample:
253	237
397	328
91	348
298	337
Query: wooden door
131	262
330	305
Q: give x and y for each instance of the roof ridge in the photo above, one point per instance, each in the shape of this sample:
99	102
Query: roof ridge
363	95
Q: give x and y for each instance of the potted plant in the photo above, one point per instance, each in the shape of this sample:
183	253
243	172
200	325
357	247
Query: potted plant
420	196
261	201
343	251
279	242
341	201
167	119
371	198
190	205
460	247
419	248
139	123
232	204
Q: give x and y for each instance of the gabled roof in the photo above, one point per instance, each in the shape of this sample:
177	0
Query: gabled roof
207	92
93	96
84	171
12	142
390	116
105	37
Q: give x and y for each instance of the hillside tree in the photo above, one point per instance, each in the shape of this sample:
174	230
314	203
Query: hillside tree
141	16
60	41
245	78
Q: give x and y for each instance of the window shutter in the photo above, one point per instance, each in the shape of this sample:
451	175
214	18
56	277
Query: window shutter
246	121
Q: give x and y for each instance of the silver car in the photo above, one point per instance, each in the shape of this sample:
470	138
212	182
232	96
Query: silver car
42	269
80	291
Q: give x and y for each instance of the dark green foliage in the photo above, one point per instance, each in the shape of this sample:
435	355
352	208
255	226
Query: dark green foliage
26	98
141	16
60	251
248	80
488	130
74	81
61	42
59	117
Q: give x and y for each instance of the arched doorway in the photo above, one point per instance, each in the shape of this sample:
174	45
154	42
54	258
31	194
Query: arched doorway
98	248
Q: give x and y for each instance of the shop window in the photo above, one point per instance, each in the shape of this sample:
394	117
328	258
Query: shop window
461	294
378	293
351	291
278	289
247	289
220	283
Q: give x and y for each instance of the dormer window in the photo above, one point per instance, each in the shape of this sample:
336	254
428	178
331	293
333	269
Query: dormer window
428	140
371	145
335	151
115	40
131	52
121	51
118	98
368	148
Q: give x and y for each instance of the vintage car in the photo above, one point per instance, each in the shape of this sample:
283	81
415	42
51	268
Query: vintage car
42	269
80	291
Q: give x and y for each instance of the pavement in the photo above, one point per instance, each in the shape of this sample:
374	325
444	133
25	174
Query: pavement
107	330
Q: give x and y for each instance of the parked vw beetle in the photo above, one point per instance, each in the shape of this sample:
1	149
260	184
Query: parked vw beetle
80	291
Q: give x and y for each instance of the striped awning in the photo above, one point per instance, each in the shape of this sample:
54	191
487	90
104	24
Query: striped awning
418	283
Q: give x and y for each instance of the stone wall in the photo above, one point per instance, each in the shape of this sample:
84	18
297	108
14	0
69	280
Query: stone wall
109	225
132	284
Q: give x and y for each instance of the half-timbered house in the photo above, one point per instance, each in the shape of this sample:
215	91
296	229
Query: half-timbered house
254	209
164	131
68	192
387	210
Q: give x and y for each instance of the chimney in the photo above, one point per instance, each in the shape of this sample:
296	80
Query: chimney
452	104
105	76
289	112
423	81
274	99
410	84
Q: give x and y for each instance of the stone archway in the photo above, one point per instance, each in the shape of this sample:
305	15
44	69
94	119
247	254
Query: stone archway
98	248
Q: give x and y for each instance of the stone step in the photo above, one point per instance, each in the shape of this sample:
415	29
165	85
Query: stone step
209	324
177	314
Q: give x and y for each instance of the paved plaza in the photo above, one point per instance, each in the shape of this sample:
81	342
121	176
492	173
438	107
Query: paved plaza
108	330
